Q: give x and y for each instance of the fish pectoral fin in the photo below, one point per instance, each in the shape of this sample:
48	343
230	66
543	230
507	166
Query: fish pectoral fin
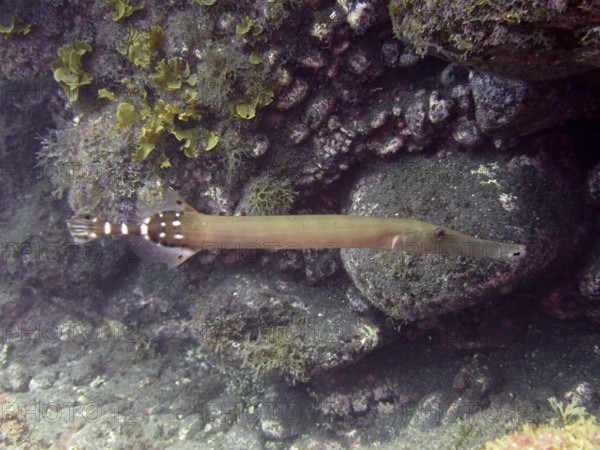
150	251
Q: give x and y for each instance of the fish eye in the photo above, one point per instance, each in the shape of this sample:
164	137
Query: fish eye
439	234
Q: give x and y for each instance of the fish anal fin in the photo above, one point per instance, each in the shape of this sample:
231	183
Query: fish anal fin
150	251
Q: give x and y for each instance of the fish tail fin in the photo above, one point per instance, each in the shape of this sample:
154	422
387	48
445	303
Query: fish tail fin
83	228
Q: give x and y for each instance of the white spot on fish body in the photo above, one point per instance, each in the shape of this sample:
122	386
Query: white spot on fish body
107	227
395	242
178	236
176	223
144	229
124	229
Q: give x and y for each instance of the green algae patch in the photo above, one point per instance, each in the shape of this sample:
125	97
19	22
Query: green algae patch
16	26
247	110
160	120
105	93
170	77
125	114
123	9
68	68
141	48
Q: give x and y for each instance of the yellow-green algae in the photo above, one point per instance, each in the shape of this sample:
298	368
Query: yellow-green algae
68	68
141	48
16	26
123	9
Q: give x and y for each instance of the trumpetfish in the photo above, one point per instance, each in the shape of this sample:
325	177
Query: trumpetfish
172	231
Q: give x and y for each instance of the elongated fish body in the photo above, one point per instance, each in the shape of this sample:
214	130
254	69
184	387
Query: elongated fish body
173	231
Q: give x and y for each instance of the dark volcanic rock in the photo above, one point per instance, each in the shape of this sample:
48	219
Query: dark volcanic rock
487	197
508	108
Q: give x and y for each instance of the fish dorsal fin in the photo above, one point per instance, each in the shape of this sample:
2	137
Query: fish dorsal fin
150	251
170	201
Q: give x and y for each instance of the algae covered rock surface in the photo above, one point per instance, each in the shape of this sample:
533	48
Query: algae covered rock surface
271	324
518	39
